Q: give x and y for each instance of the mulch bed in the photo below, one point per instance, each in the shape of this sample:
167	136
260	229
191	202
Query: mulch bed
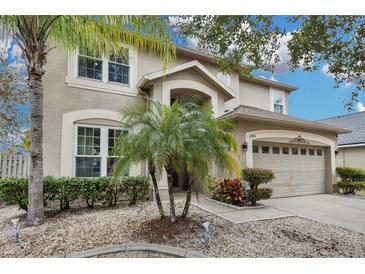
160	230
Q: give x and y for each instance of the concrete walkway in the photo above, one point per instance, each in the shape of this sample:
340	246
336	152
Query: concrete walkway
326	208
243	215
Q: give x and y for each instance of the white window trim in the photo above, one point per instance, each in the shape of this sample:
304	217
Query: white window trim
73	80
274	93
104	155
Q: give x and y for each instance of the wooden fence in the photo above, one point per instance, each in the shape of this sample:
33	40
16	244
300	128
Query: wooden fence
14	165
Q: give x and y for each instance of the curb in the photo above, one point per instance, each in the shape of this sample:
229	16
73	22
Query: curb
236	207
164	249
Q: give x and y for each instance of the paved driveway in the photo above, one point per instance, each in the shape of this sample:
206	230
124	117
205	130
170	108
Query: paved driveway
326	208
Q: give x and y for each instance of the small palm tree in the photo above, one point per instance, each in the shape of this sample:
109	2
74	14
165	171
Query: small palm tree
180	139
37	35
208	141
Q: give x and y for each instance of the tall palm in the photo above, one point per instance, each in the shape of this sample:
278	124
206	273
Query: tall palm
37	35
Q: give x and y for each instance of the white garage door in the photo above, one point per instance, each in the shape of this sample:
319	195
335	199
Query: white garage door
299	170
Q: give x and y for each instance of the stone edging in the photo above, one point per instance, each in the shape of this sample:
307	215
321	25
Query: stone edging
236	207
164	249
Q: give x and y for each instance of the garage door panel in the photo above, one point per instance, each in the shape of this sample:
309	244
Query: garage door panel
294	174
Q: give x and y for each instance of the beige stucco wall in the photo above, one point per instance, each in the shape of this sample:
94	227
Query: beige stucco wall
60	99
351	156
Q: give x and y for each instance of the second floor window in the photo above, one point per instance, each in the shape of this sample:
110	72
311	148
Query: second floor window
278	104
115	69
119	69
90	67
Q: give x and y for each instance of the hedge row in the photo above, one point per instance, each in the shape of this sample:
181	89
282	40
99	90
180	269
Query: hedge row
105	190
352	179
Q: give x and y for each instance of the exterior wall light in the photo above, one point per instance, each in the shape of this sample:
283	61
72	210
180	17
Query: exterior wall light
244	146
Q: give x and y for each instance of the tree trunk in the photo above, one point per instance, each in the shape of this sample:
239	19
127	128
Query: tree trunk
35	215
188	196
152	170
171	193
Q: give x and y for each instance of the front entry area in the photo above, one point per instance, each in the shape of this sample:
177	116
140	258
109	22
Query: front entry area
299	169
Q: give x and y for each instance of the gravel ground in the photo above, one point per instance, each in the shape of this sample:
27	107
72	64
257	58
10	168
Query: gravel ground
77	230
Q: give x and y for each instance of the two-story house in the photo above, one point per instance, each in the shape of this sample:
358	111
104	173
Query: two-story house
84	95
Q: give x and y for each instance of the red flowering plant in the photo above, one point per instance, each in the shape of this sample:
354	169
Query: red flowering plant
233	191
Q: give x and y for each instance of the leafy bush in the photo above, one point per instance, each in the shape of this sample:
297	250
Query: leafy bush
233	191
93	189
214	187
14	191
135	188
351	174
350	187
264	193
65	190
256	177
226	190
113	190
68	190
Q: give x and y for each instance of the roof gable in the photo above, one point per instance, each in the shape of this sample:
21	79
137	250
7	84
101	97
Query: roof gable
228	92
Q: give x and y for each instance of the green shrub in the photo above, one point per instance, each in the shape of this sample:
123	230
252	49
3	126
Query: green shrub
214	187
14	191
93	189
50	189
135	188
113	190
68	189
256	177
233	191
264	193
226	190
350	187
351	174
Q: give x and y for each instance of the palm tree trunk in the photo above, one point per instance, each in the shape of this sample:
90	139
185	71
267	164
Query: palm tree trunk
171	194
188	196
35	214
152	170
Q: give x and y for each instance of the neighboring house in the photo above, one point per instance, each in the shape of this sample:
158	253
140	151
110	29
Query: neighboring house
351	146
84	95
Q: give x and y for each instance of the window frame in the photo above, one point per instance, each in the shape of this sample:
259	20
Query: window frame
121	64
104	147
90	57
104	69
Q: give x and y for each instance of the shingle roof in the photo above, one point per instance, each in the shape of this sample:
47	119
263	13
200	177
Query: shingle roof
355	121
270	116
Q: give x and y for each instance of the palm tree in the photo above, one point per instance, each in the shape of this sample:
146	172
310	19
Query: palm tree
208	140
138	147
37	35
180	139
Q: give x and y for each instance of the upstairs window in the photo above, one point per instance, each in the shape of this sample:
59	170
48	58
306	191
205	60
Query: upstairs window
116	69
119	69
278	104
90	67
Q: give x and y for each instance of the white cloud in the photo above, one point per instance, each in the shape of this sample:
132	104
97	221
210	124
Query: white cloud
360	107
325	71
283	53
